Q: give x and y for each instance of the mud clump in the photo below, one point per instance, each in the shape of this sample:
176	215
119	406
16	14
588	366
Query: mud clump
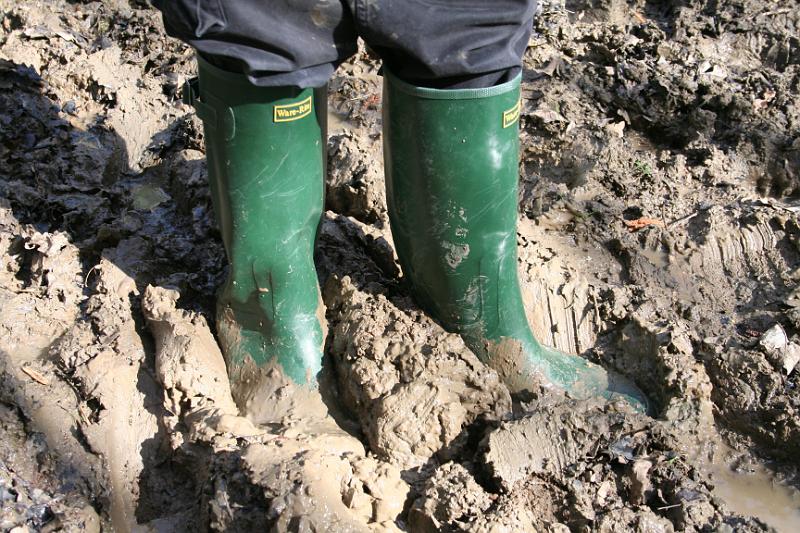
574	464
304	466
659	236
414	387
354	185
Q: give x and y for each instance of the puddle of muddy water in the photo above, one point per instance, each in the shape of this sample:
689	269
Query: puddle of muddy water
760	495
657	258
337	122
146	197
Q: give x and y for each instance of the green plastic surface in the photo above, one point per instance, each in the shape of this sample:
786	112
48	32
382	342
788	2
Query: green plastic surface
265	148
451	159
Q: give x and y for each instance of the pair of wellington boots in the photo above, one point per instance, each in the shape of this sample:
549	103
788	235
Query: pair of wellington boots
451	163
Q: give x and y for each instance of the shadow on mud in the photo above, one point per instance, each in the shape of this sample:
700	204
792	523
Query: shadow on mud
62	178
132	224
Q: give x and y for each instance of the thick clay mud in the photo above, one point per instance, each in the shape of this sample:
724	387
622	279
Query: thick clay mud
658	236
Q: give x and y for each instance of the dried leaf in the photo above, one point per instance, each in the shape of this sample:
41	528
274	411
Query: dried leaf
643	222
35	375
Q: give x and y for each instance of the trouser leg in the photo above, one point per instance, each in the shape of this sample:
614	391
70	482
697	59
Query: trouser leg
275	43
453	44
432	43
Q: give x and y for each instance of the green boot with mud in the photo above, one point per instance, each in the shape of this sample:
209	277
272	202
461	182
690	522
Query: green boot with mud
451	160
264	148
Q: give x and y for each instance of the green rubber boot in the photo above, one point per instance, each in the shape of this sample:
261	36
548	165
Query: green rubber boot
451	160
264	147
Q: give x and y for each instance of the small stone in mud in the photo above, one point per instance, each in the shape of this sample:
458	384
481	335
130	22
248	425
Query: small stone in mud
774	339
775	344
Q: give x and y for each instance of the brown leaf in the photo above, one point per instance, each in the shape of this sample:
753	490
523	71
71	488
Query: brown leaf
643	222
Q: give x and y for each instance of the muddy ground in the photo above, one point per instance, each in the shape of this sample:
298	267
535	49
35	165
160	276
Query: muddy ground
659	235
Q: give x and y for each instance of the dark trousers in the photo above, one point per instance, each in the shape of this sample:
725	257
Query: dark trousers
433	43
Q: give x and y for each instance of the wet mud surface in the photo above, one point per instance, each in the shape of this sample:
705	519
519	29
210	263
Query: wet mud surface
658	235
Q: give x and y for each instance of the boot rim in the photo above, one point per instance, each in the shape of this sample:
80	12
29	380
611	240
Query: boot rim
451	94
228	76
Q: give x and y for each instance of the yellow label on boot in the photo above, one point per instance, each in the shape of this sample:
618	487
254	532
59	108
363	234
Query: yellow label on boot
512	115
290	112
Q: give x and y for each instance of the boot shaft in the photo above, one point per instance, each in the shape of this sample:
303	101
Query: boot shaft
451	177
265	156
